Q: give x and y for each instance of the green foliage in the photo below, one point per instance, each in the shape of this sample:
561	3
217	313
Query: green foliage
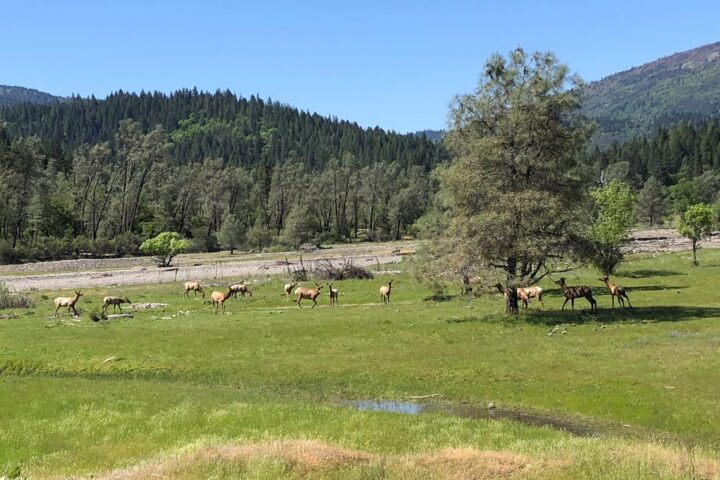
231	234
614	216
164	247
513	190
651	202
696	223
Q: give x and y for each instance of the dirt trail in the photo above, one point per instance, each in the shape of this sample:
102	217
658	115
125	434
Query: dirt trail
210	272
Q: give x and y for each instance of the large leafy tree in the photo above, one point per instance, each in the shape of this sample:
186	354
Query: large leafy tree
513	185
609	231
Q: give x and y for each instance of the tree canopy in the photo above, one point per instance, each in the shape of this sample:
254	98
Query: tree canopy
514	191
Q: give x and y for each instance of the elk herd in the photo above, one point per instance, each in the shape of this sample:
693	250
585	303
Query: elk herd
218	298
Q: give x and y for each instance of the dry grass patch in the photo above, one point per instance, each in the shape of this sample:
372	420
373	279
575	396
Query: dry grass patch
478	464
686	463
316	459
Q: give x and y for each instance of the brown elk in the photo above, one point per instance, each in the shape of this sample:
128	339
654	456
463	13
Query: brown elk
531	292
616	291
333	295
385	291
311	293
288	290
524	294
240	288
115	302
68	302
218	299
571	293
193	286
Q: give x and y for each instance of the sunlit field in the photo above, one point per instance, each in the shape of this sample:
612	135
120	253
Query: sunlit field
266	390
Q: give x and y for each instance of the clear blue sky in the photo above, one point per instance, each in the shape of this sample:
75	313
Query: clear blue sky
394	64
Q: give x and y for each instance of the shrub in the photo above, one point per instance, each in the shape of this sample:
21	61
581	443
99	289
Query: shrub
13	300
164	247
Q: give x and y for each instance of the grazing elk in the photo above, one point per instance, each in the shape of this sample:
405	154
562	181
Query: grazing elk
333	295
240	288
531	292
193	286
311	293
468	283
68	302
571	293
385	291
115	302
218	299
616	291
524	294
288	290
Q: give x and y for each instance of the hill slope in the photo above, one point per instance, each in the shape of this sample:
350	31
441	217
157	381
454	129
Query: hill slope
14	95
682	86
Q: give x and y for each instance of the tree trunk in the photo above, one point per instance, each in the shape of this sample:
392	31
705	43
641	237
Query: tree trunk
511	301
694	247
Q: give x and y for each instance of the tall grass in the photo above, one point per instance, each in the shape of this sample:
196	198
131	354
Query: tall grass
9	299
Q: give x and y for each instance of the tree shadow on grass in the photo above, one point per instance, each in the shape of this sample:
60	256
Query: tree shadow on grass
648	273
630	315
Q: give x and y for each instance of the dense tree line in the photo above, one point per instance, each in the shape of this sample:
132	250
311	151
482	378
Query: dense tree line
676	167
109	196
238	131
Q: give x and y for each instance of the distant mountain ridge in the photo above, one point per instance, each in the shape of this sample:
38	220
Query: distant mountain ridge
13	95
681	86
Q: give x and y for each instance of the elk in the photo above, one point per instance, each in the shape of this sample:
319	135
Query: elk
115	302
468	282
311	293
333	295
240	288
524	294
288	290
385	291
531	292
193	286
68	302
616	291
571	293
218	299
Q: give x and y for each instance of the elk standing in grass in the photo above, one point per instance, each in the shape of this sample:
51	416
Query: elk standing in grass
571	293
333	295
218	299
288	290
311	293
531	292
115	302
616	291
385	291
240	288
193	286
68	302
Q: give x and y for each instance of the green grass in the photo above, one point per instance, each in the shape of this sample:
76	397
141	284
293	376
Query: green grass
84	397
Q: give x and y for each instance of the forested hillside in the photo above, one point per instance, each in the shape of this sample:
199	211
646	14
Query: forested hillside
682	86
14	95
239	131
99	176
676	167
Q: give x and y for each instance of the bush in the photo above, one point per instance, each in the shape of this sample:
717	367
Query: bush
164	247
13	300
345	271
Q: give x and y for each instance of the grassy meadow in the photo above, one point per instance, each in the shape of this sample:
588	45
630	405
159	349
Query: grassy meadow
262	390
